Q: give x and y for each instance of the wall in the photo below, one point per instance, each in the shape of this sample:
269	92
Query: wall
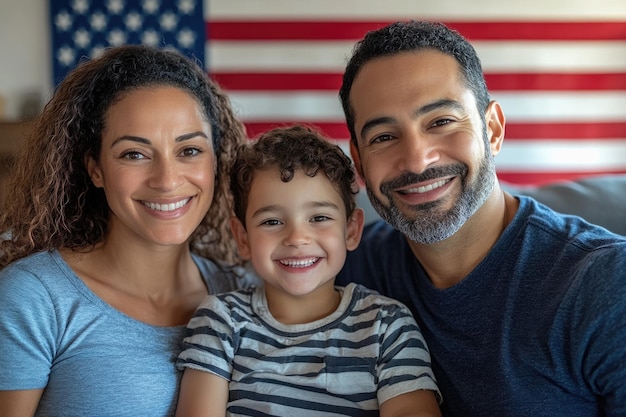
24	52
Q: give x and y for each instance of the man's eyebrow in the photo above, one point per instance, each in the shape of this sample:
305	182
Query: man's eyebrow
427	108
145	141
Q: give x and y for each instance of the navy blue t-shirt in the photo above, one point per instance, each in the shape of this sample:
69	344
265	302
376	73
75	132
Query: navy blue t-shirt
538	328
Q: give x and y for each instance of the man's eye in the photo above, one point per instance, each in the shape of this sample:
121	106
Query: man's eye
381	138
442	122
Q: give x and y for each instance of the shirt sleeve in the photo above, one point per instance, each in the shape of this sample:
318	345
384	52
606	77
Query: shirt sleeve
404	365
597	334
209	343
28	328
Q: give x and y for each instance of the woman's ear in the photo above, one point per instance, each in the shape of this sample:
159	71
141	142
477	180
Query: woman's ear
94	171
241	237
355	228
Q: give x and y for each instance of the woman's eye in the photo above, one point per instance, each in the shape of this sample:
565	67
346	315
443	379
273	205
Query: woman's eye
191	151
133	155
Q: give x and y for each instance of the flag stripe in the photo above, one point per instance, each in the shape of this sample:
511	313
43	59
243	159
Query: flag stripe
558	72
511	81
351	30
514	131
538	178
497	57
542	106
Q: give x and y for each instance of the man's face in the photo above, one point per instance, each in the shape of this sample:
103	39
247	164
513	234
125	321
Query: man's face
423	150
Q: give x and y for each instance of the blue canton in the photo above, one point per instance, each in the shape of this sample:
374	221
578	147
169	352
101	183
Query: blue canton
83	28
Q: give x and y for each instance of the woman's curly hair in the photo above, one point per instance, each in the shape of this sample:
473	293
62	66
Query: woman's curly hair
49	200
289	149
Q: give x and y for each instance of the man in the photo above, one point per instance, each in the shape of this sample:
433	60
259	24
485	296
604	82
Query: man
523	309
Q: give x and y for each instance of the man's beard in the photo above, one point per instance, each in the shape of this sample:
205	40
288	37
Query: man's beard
430	224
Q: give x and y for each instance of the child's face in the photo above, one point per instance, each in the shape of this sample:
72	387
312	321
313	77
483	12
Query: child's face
297	232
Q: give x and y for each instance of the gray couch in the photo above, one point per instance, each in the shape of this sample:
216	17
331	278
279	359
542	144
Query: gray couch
600	199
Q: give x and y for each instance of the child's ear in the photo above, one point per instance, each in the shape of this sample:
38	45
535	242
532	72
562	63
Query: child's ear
241	237
355	228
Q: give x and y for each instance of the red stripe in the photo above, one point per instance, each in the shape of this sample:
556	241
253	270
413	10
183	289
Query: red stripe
514	131
352	30
496	82
538	178
556	82
332	130
566	130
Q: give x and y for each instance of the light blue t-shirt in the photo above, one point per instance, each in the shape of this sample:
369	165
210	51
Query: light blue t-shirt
91	359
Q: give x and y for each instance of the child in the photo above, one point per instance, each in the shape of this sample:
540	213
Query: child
300	346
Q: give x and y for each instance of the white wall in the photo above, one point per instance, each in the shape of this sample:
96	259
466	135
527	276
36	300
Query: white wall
24	53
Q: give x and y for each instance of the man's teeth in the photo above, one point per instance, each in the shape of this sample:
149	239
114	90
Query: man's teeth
426	188
166	207
298	263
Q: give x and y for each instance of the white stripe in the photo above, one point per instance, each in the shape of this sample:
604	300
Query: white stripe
422	9
563	106
518	107
554	156
501	56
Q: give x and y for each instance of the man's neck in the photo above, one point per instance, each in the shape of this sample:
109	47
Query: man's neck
449	261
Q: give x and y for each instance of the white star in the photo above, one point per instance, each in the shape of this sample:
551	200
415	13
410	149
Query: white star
186	6
115	6
82	38
150	6
150	37
116	37
98	21
133	21
168	21
80	6
66	56
96	50
186	38
63	21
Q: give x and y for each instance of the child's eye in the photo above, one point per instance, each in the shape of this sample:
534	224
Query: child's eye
271	222
320	218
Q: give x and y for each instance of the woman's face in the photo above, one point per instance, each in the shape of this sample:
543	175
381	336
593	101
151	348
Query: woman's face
157	165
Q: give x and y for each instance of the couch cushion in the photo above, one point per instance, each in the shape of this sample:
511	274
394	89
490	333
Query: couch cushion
600	200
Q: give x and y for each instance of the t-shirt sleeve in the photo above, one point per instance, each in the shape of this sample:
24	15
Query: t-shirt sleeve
209	343
404	364
597	333
28	330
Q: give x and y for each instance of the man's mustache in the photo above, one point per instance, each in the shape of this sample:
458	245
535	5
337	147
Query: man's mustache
408	178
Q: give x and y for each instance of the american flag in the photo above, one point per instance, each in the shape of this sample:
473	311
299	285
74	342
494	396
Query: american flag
558	67
82	28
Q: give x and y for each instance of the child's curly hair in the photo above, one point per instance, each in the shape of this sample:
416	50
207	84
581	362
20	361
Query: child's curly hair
290	149
49	200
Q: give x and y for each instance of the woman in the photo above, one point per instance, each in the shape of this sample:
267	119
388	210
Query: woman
111	237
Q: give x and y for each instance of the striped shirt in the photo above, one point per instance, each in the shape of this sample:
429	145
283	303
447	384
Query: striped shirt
366	352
